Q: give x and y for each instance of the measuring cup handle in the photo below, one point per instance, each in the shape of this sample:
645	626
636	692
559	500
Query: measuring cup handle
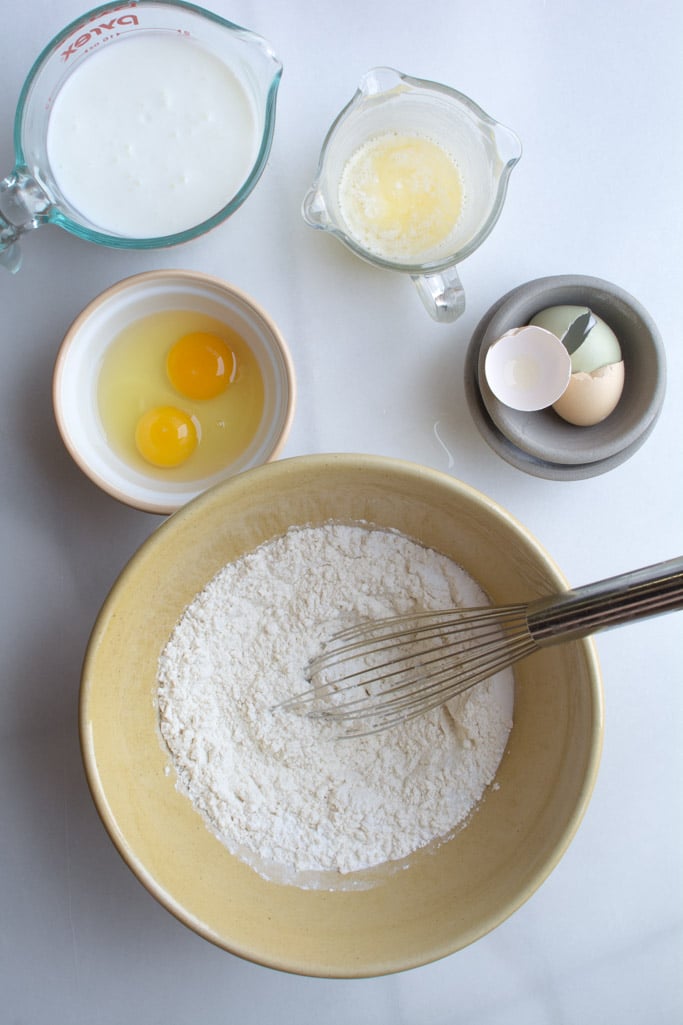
10	253
23	206
442	294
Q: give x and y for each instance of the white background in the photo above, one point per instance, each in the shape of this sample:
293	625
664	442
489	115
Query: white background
594	89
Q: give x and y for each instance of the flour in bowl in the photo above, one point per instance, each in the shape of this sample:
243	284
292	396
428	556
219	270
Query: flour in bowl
278	789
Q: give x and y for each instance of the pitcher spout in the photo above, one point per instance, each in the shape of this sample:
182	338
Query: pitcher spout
508	144
380	80
314	209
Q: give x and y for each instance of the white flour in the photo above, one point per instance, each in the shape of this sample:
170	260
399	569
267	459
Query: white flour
276	788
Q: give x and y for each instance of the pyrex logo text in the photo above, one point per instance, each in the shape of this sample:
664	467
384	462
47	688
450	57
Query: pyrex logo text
98	30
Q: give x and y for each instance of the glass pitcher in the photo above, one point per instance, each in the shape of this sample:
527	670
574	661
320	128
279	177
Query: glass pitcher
30	195
390	104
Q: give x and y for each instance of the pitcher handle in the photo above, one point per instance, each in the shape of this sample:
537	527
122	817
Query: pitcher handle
442	294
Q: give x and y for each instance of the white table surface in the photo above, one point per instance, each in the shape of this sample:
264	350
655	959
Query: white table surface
594	89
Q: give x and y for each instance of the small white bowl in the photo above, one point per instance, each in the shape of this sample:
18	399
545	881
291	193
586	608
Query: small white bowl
79	361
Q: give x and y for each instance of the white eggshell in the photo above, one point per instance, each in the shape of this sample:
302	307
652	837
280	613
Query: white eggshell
528	368
590	398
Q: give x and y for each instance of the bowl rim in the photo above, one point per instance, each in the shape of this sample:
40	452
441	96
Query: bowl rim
221	494
172	502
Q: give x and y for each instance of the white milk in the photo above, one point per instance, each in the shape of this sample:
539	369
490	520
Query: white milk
151	135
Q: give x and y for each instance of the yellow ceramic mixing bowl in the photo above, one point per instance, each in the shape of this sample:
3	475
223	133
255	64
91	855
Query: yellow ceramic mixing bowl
446	898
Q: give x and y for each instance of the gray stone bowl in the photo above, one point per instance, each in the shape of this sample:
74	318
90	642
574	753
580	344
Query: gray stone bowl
540	442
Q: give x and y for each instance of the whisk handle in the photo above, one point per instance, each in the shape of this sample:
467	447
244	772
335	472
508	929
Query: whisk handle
607	603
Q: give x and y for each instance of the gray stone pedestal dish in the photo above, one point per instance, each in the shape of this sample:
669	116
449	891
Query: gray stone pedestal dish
541	443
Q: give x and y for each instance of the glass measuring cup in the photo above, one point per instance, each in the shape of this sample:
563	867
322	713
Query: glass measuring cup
31	196
484	151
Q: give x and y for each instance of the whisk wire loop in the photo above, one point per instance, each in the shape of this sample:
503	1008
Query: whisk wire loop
382	717
387	671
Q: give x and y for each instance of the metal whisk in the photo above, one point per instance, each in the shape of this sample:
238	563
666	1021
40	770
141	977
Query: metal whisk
386	671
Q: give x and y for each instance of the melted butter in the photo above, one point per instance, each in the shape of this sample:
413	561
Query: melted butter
401	196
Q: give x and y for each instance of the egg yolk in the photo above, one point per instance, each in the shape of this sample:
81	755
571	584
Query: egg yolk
165	436
200	365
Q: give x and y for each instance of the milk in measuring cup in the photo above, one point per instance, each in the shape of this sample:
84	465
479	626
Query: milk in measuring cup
151	135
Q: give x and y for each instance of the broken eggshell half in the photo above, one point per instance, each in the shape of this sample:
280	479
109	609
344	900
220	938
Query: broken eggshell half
528	368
